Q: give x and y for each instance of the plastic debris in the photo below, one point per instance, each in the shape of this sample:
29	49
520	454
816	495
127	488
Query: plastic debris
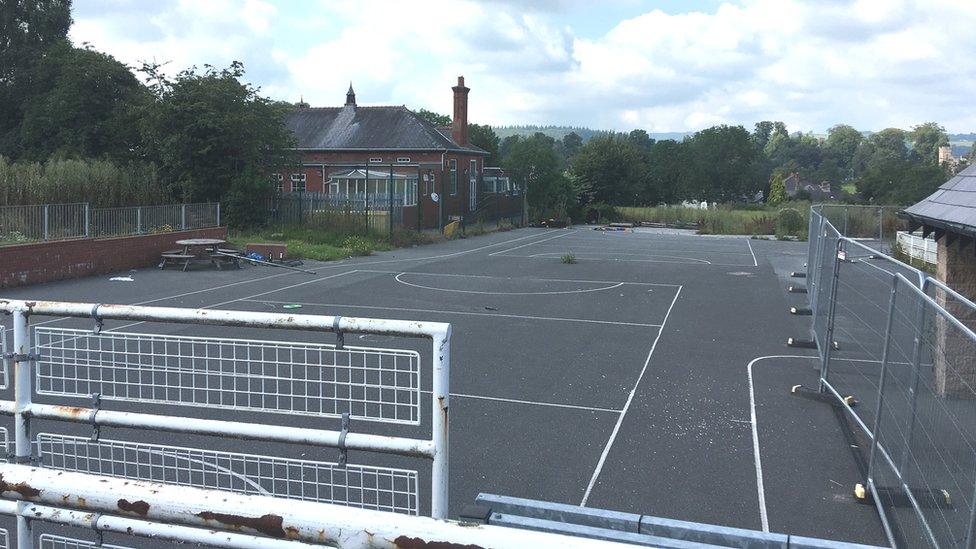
291	306
122	279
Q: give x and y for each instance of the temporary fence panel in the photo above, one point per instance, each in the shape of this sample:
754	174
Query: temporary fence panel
902	344
50	541
280	377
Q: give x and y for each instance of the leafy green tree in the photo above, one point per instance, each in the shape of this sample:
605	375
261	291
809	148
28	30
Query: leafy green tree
641	140
28	28
724	167
570	144
839	150
777	190
926	139
534	163
484	137
669	166
82	104
616	170
434	118
765	130
886	147
215	138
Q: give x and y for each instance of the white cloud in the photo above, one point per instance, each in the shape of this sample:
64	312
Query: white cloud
810	63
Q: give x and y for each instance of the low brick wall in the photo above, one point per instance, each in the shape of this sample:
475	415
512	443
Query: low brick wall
47	261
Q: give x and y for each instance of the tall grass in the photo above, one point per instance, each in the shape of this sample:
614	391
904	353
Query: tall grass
723	219
98	182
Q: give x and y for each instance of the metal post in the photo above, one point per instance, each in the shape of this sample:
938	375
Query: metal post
87	220
881	228
831	313
916	376
366	194
847	214
218	203
138	219
876	434
22	400
441	392
183	216
46	206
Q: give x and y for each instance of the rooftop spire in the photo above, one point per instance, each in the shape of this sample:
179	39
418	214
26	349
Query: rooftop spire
350	97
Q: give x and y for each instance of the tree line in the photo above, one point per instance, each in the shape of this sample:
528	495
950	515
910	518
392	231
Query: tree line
202	135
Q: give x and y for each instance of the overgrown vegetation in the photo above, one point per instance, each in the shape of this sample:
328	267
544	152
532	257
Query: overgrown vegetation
727	219
306	242
101	183
569	258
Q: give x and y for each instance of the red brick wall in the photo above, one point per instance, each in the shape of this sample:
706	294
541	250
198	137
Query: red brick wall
47	261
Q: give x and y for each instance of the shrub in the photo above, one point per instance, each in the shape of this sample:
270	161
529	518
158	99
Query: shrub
357	245
569	258
789	221
598	212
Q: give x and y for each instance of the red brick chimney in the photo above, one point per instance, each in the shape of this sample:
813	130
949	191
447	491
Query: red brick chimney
459	125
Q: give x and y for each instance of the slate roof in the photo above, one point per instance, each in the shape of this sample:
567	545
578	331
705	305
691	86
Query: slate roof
952	207
368	128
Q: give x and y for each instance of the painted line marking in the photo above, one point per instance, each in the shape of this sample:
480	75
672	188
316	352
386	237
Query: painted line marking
537	403
566	233
760	489
749	243
589	255
691	261
404	282
468	313
526	279
630	399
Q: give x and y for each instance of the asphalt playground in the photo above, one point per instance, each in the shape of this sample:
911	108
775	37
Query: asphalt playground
649	376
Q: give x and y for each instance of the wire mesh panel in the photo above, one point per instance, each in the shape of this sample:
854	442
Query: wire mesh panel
270	376
50	541
35	222
379	488
924	466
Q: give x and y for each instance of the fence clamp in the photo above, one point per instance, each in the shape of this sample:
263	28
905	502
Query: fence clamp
99	537
343	453
340	338
96	406
22	357
98	320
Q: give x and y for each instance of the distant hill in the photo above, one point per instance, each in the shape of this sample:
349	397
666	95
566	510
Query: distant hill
558	132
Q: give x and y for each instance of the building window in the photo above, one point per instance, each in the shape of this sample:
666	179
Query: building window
488	184
403	159
376	159
501	185
278	181
453	164
473	186
298	182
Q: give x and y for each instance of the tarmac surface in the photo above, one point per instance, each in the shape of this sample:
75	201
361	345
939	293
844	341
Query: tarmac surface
650	376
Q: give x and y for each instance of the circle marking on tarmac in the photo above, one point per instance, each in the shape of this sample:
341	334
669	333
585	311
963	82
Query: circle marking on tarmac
455	290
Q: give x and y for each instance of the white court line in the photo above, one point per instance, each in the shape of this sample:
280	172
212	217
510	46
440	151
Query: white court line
404	282
566	233
611	260
637	250
321	265
537	403
591	255
630	399
749	243
527	279
760	489
469	313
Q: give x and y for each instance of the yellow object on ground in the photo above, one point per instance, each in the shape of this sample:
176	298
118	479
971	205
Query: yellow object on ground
451	228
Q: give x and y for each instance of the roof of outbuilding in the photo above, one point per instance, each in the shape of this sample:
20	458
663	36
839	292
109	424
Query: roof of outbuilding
953	206
368	128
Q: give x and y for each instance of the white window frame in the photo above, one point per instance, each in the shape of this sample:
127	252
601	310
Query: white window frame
403	159
279	182
299	178
376	159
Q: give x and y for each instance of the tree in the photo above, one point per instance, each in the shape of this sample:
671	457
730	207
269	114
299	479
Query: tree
28	28
724	166
777	190
839	149
886	147
765	130
484	137
570	144
82	103
641	140
926	139
437	119
668	166
533	162
215	138
616	170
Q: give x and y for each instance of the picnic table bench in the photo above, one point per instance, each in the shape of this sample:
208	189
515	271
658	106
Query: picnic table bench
201	250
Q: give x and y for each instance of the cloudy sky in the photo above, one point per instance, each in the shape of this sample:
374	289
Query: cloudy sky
661	65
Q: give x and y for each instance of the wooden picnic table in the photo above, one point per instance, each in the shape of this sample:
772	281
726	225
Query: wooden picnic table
199	250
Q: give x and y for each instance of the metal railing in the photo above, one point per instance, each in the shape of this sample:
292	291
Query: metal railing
901	343
302	380
918	247
41	222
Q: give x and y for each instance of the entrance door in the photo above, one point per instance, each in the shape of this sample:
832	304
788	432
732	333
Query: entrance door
473	186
